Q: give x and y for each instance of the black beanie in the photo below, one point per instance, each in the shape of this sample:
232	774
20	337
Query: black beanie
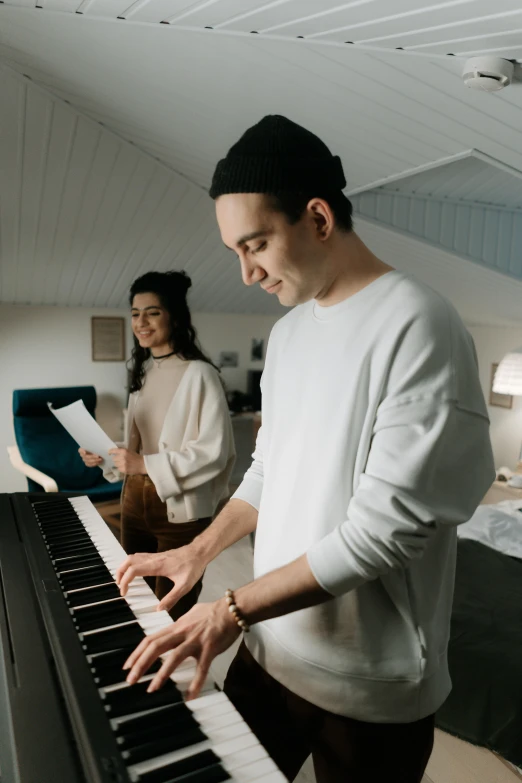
278	155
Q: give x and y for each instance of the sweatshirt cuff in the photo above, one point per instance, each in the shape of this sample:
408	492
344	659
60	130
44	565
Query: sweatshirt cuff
329	564
112	474
250	490
160	471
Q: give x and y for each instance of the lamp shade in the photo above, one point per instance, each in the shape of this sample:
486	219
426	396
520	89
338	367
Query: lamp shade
508	377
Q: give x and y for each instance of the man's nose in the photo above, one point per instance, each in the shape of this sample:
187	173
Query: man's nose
251	273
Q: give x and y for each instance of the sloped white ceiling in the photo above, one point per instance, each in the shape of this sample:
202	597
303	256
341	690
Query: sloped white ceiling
186	96
183	95
82	213
458	26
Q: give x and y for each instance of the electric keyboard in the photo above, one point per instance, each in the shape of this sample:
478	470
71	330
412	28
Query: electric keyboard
66	713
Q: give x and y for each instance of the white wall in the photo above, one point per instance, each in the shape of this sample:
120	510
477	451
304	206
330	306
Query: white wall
492	344
51	346
225	332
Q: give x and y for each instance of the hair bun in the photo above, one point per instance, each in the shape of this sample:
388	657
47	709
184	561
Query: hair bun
180	281
185	281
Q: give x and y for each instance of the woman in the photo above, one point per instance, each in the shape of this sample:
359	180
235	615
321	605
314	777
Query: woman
179	451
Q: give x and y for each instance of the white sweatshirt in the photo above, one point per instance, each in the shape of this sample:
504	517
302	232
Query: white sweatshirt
374	446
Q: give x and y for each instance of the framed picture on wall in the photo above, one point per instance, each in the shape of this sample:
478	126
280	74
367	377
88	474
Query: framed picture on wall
228	359
257	350
108	339
500	400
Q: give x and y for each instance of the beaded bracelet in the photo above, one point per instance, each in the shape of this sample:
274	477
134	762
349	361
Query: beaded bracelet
234	611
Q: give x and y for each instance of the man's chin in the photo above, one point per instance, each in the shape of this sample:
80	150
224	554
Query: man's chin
287	300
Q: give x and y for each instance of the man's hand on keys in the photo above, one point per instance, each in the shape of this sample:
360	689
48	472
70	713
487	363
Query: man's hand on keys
202	633
183	566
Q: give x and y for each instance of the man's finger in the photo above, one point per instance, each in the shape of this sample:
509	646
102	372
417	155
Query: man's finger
172	598
122	568
156	646
135	654
131	572
170	664
200	676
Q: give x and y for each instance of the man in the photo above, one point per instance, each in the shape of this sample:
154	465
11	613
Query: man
374	445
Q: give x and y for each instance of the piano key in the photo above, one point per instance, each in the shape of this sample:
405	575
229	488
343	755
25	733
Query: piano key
92	595
162	743
126	635
107	668
87	579
185	766
130	698
174	715
59	550
237	750
69	535
77	561
102	615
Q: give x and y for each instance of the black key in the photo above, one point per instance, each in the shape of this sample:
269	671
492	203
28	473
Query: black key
92	617
72	542
214	774
54	511
60	522
67	570
135	698
85	577
108	669
188	733
92	595
129	635
78	561
174	715
67	537
55	520
136	744
59	553
70	547
107	613
94	580
162	744
177	769
58	562
62	526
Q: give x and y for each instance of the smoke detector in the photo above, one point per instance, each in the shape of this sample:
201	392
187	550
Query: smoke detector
488	73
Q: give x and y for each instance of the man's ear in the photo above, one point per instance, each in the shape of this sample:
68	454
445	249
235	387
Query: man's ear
322	216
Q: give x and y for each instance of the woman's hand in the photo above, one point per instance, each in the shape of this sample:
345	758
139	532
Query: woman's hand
90	459
183	566
204	632
128	462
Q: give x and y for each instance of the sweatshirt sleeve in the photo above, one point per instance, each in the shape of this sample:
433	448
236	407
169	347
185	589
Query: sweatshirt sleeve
110	472
430	463
205	456
251	487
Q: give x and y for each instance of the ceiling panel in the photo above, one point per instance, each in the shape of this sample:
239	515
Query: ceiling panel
473	178
83	212
115	183
484	296
422	26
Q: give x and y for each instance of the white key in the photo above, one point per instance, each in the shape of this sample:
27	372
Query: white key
229	737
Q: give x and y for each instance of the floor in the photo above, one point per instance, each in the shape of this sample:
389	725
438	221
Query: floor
452	761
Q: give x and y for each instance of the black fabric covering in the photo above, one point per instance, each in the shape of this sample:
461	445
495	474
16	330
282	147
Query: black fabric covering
485	652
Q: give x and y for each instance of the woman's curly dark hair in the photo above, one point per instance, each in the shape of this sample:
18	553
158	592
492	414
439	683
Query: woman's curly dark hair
171	289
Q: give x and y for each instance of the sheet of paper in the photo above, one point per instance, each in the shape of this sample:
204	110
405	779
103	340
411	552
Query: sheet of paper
84	429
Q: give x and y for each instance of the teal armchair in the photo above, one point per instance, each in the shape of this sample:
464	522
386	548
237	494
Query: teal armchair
45	452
